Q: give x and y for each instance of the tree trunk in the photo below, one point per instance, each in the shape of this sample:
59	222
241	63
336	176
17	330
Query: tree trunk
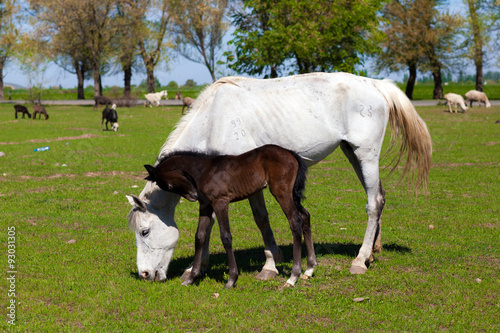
97	81
2	94
478	44
411	80
80	74
438	84
127	71
151	80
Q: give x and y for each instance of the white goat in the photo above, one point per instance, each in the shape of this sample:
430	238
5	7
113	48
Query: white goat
477	96
155	98
455	100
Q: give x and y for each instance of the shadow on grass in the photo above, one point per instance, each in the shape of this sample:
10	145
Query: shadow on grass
251	260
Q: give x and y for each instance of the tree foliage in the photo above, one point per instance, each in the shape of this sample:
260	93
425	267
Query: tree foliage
417	36
282	37
200	26
8	35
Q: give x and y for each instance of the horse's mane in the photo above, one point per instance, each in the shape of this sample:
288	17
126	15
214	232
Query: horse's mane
201	103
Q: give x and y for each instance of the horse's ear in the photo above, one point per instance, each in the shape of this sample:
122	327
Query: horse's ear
152	173
136	202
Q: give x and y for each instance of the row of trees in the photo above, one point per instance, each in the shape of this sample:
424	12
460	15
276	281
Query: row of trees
271	38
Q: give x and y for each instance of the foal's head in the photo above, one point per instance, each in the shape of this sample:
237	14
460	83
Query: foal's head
172	180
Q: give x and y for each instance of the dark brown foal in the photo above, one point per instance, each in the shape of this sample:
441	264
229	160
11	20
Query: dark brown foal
215	181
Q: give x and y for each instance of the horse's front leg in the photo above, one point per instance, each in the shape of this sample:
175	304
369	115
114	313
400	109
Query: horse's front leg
204	223
221	211
272	251
205	254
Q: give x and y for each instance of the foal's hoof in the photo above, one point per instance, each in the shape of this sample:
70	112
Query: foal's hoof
185	275
266	275
357	270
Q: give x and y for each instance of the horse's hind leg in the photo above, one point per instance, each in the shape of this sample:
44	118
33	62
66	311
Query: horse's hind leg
366	166
272	251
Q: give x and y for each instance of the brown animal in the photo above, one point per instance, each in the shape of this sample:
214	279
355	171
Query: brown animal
40	110
101	100
22	109
215	181
186	101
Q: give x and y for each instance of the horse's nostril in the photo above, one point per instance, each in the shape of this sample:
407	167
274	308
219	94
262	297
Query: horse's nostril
145	274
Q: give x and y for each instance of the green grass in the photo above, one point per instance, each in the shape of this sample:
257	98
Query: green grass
75	257
424	91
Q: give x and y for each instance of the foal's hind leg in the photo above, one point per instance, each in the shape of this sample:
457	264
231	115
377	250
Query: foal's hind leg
311	255
366	167
272	251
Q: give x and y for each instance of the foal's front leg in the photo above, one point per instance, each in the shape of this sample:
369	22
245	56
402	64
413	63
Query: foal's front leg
204	226
221	211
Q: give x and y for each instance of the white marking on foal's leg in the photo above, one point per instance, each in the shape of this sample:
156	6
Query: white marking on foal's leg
308	273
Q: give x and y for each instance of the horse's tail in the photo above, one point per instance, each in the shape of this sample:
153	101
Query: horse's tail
300	181
415	138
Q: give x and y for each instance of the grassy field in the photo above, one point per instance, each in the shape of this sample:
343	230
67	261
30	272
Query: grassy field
420	92
65	210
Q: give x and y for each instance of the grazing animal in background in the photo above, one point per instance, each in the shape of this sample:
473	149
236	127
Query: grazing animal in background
38	109
155	98
110	115
22	109
186	101
311	114
477	96
215	181
101	100
455	100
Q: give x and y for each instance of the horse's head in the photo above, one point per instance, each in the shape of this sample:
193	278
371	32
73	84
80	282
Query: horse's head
156	233
115	127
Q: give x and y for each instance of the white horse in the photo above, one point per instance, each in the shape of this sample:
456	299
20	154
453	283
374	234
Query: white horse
154	98
456	101
311	114
477	96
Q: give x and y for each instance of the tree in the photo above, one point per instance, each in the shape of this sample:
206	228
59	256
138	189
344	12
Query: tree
483	15
283	37
82	30
152	44
200	26
126	44
8	36
417	36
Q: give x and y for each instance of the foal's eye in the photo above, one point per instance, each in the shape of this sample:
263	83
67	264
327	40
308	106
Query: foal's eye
144	232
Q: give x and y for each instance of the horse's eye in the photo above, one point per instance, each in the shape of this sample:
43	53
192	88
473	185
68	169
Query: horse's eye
144	232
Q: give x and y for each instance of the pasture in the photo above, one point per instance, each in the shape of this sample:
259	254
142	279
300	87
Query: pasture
75	256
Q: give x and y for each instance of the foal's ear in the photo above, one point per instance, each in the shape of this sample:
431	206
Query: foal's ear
136	202
152	173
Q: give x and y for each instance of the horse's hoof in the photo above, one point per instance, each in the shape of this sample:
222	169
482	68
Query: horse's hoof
357	270
266	275
305	277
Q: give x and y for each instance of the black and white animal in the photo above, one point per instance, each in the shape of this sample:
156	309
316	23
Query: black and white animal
110	115
101	100
22	109
38	109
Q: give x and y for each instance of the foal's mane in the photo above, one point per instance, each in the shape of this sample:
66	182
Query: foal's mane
188	153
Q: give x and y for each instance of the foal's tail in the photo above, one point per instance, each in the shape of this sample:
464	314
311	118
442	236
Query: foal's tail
415	138
300	181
